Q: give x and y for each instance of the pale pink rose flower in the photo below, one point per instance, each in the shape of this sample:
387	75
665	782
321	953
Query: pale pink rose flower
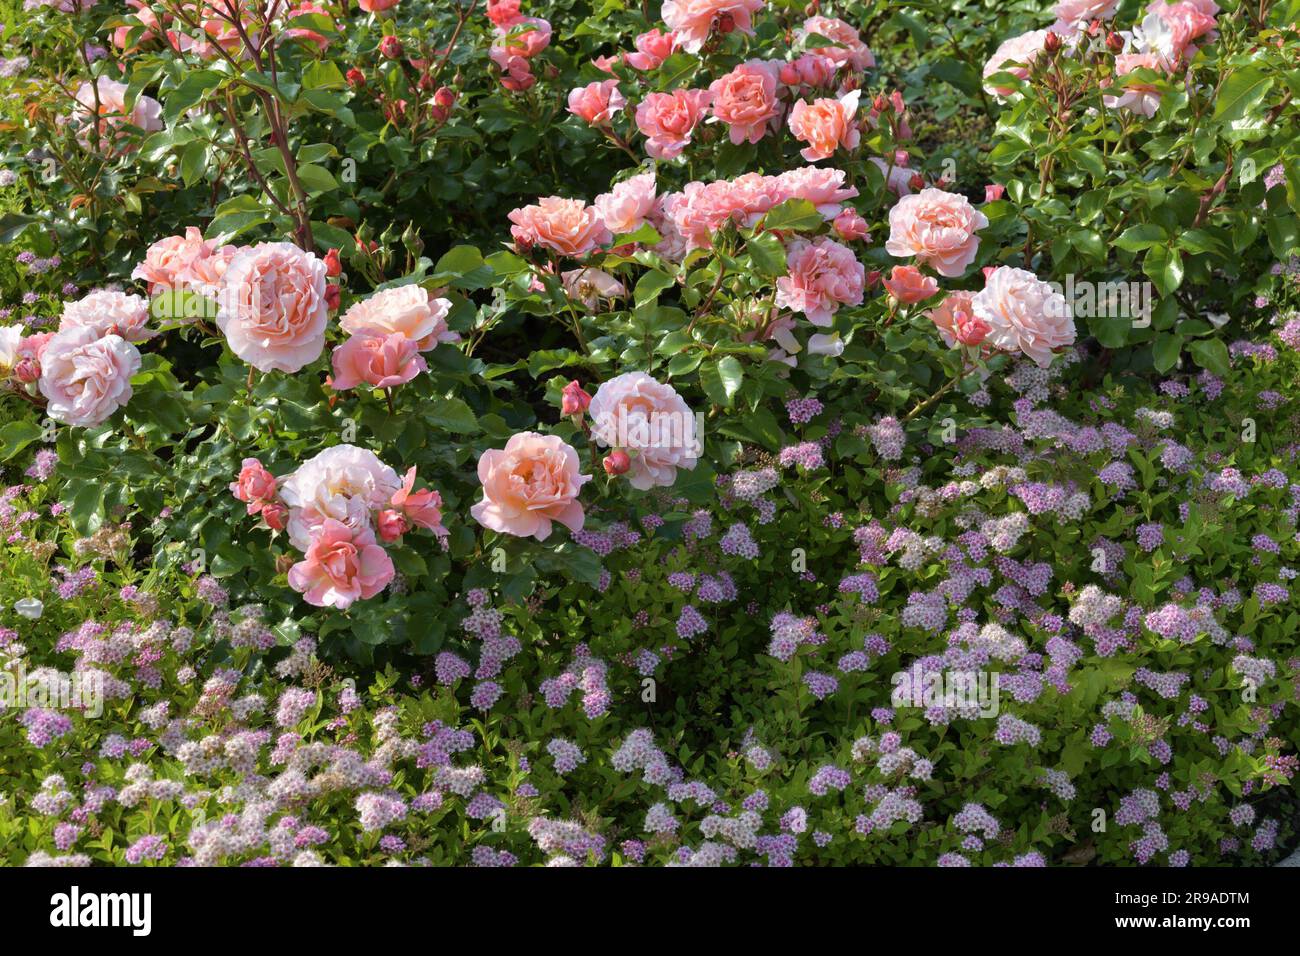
851	49
652	49
341	565
1137	97
272	306
1074	15
597	103
821	186
823	275
204	275
651	422
343	483
694	20
525	37
378	359
534	481
145	113
1014	56
745	99
826	125
850	226
86	377
11	340
947	313
938	229
590	286
423	509
109	313
255	486
568	227
503	13
407	310
669	119
1172	29
1025	313
626	207
167	260
908	285
898	178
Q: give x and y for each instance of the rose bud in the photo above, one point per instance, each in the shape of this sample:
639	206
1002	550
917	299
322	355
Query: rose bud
1114	42
993	192
880	104
917	181
274	514
849	226
789	74
27	371
1052	42
617	463
873	277
355	78
283	563
333	267
390	47
332	297
392	524
726	23
574	400
445	97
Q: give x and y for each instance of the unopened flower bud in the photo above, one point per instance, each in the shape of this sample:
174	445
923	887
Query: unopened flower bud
617	463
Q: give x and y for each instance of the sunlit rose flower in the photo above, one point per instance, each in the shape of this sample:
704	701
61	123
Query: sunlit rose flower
822	187
937	228
851	49
1136	96
344	483
568	227
907	284
255	486
113	116
422	509
375	358
86	377
826	125
109	312
1024	313
811	70
626	207
169	261
694	20
341	565
532	482
1014	56
407	310
1072	15
597	103
306	8
1171	29
823	275
745	99
590	286
377	6
652	49
669	119
503	13
11	340
650	421
948	313
272	306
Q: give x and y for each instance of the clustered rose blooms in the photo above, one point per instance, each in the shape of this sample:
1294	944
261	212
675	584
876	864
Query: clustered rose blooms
86	376
518	40
272	306
1024	313
850	50
184	262
407	310
937	228
567	227
531	483
651	423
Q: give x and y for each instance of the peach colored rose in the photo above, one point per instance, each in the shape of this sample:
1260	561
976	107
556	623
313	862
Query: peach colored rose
811	70
343	483
590	286
1014	56
849	226
1073	15
534	481
626	207
86	377
204	275
255	486
948	313
652	49
407	310
168	260
694	20
851	49
109	313
822	187
669	119
745	99
341	565
596	104
272	306
113	116
422	509
503	13
823	275
907	284
650	421
568	227
826	125
1025	313
938	229
378	359
377	6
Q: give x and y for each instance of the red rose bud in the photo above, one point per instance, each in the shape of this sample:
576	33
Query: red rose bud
1114	42
917	181
993	192
617	463
390	47
274	514
355	78
445	97
880	104
726	23
333	267
873	277
27	371
332	297
573	400
1052	42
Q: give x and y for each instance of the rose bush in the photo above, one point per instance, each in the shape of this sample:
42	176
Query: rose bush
710	432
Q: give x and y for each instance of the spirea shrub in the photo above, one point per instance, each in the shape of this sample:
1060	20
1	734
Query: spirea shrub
717	432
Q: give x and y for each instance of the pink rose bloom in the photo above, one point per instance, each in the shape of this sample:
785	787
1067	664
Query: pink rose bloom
851	49
423	509
745	99
669	119
377	6
652	49
898	177
312	36
109	313
146	113
568	227
651	422
406	310
1172	29
379	359
86	377
811	70
694	20
590	286
1135	96
597	103
341	565
532	482
825	125
255	486
204	275
822	187
1014	56
849	226
169	260
950	313
907	284
626	207
937	228
1073	15
1024	313
272	306
526	37
344	483
823	275
503	13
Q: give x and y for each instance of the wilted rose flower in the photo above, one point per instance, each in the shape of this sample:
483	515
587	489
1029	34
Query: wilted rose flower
532	482
1024	313
590	286
86	377
937	228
